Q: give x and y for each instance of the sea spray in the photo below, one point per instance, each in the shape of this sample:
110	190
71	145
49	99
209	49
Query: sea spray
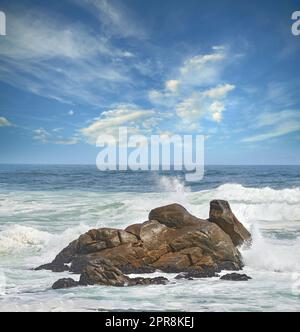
271	254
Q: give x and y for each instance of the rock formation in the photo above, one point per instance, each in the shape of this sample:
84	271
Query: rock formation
172	240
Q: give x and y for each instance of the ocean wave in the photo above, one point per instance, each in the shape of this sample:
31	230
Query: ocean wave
272	255
16	239
253	204
19	240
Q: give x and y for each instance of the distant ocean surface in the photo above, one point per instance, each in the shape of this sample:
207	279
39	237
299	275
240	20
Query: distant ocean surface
43	208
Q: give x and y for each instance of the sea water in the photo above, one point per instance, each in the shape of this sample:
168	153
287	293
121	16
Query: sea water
43	208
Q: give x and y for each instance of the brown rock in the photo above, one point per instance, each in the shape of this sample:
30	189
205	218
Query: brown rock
102	272
134	229
173	216
221	215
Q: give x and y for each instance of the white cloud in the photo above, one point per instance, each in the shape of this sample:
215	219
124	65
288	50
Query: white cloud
70	141
218	117
45	136
71	113
172	85
219	92
41	135
196	92
4	122
197	107
137	121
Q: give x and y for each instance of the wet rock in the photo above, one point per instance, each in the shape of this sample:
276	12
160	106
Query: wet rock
173	216
102	272
65	283
221	215
235	277
137	270
208	273
53	267
148	281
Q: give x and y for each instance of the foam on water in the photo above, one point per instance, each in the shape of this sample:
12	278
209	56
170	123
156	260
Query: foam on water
16	239
272	255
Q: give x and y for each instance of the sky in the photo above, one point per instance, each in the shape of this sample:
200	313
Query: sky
71	70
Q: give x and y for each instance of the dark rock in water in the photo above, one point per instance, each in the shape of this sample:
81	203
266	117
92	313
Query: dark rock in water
235	277
102	272
172	240
148	281
209	273
221	214
53	267
65	283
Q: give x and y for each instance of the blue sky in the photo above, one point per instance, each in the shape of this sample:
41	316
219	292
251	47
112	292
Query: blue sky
74	69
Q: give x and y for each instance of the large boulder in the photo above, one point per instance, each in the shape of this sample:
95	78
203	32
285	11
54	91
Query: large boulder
172	240
173	216
222	215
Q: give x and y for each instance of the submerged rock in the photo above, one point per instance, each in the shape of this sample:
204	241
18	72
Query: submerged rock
235	277
221	214
172	240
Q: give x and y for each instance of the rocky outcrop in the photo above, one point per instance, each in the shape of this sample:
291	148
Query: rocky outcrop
172	240
221	215
235	277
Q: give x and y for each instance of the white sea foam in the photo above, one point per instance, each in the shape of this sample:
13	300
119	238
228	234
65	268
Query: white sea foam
253	204
273	255
16	238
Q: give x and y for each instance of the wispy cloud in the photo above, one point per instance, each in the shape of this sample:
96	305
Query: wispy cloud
136	119
4	122
114	17
41	135
68	62
275	124
54	137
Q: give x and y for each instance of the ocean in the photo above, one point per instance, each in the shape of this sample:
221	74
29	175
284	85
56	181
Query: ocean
43	208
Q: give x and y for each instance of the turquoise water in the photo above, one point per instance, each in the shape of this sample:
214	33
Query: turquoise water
43	208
